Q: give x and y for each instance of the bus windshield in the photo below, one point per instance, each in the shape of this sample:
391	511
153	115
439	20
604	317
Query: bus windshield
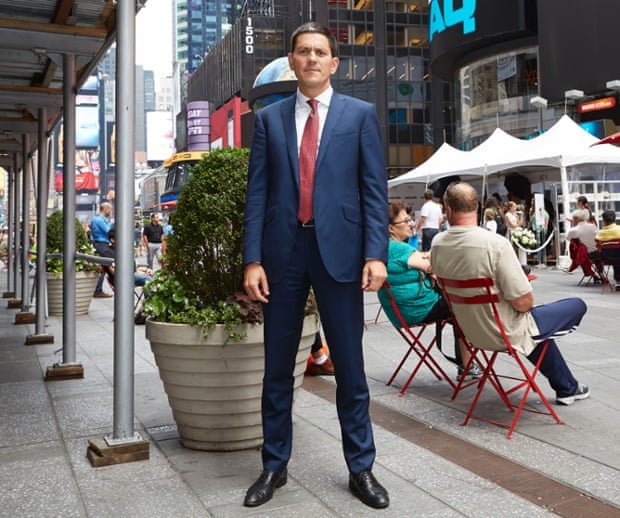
178	169
178	173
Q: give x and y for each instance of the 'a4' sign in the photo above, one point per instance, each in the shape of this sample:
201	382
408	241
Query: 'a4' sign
451	16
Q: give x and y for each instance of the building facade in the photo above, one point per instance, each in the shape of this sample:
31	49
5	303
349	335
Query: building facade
391	37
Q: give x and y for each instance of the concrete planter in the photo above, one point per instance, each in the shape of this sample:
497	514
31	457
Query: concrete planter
85	283
213	386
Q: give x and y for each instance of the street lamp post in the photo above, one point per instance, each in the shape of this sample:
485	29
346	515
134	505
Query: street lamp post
614	85
540	103
572	94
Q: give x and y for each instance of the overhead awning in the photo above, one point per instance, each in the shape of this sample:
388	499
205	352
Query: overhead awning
34	35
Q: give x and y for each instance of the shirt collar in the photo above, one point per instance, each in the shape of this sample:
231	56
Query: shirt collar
324	98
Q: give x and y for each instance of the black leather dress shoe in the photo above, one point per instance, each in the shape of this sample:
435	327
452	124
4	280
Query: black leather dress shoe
365	486
262	490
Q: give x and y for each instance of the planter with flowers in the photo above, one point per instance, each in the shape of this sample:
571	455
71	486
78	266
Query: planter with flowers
86	273
205	334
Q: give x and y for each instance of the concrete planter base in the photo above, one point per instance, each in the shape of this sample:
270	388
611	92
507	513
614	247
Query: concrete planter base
85	283
213	387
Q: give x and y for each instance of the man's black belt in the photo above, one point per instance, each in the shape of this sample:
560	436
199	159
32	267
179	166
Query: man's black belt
307	224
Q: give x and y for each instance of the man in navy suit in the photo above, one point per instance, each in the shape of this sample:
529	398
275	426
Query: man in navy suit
340	250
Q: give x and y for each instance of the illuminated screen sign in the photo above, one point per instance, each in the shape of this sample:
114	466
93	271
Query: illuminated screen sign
459	27
606	103
450	15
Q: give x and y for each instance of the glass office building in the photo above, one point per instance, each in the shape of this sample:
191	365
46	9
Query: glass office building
384	59
199	27
495	91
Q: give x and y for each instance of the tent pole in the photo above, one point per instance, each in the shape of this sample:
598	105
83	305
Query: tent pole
565	199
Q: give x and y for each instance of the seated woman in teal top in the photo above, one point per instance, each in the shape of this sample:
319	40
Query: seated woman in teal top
409	275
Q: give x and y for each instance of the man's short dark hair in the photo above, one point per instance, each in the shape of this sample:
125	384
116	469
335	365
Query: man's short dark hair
319	29
609	216
428	194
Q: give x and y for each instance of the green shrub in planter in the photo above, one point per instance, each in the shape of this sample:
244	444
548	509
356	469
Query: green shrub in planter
55	245
202	281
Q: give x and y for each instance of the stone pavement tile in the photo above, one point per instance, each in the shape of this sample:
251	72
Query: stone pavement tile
25	370
319	465
13	350
306	399
104	362
554	450
93	383
152	498
87	413
27	416
217	478
150	402
150	488
36	480
221	480
23	397
285	504
323	416
454	488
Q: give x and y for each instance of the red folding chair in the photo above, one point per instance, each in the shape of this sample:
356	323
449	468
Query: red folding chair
579	257
412	335
610	258
486	358
374	320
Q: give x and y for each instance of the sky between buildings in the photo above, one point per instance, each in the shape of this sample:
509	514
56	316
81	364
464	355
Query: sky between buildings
154	37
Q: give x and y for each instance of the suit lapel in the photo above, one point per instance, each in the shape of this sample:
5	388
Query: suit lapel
290	134
336	109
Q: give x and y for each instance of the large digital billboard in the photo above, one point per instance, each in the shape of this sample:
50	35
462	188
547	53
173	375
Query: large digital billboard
87	169
86	126
159	136
460	27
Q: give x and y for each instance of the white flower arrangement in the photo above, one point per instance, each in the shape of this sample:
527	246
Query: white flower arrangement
524	237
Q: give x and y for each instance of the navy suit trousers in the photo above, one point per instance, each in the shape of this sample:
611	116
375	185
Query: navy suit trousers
557	319
341	310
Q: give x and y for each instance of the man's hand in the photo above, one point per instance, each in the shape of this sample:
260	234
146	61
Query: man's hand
524	303
373	275
255	282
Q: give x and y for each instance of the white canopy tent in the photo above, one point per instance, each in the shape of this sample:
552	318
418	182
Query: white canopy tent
564	144
443	160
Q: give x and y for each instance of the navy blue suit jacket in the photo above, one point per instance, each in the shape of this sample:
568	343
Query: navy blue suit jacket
350	189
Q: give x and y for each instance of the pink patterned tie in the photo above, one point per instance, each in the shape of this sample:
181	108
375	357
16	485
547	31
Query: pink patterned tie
307	163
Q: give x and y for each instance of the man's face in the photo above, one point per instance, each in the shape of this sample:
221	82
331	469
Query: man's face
312	61
107	210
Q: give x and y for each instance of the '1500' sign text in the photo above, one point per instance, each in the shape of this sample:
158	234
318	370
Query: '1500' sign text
249	37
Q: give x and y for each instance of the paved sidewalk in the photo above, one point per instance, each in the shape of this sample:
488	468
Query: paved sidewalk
431	465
